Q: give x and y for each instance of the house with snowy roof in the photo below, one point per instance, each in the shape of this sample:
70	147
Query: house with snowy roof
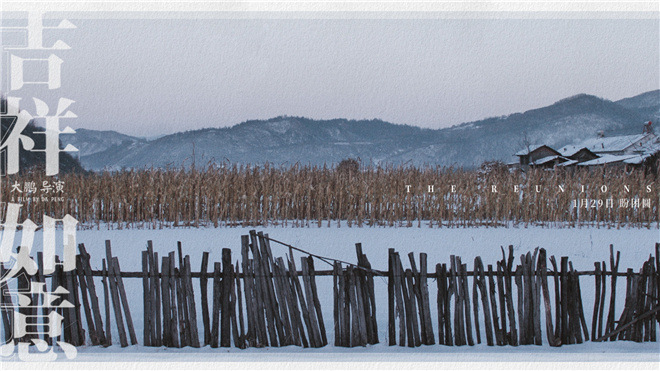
575	154
620	150
621	145
537	154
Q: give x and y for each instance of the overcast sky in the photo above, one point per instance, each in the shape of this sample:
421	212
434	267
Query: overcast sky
149	76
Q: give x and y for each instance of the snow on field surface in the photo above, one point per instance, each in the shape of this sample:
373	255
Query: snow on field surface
583	246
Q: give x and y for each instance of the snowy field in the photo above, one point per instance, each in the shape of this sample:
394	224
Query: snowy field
583	246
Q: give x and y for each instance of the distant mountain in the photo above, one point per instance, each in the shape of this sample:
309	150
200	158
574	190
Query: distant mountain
646	104
90	142
567	121
279	140
99	149
287	140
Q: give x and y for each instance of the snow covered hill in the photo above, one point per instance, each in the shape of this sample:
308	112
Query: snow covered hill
289	140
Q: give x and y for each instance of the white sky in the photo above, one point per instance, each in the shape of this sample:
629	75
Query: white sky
153	76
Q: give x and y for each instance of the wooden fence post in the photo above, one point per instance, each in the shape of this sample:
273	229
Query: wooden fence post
106	297
217	302
165	295
337	298
499	338
146	287
480	280
203	288
391	315
398	276
85	301
369	296
542	267
115	295
277	307
225	326
192	310
428	328
564	301
175	333
507	268
614	266
124	300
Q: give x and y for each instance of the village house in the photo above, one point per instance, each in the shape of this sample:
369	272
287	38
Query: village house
626	150
537	154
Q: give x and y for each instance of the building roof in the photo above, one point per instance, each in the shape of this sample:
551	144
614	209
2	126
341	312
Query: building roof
569	150
643	146
651	146
607	159
572	149
568	163
612	144
531	148
547	159
638	159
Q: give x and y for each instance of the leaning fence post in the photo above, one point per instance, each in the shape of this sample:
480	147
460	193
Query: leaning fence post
115	295
85	301
390	298
124	300
106	296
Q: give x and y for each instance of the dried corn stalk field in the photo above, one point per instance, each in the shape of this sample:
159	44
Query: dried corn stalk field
315	196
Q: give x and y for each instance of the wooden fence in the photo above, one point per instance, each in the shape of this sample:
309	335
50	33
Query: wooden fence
268	301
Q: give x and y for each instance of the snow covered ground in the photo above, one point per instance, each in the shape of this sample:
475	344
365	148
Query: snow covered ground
583	246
